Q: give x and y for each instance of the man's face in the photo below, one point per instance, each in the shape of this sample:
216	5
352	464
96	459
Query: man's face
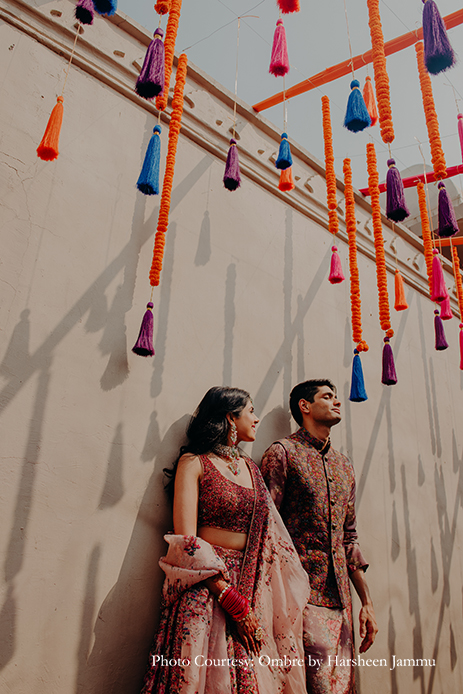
325	409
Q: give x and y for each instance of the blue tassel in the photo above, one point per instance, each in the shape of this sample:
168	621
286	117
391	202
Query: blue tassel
284	159
107	7
357	386
148	181
357	116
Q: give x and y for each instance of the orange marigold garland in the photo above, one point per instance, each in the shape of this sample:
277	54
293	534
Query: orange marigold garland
459	286
432	124
381	76
336	273
163	7
357	389
169	49
389	376
426	232
144	343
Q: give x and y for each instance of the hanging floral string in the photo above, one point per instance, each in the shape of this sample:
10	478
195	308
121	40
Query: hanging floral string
389	376
459	286
164	209
336	274
381	76
169	49
426	232
357	390
432	124
163	7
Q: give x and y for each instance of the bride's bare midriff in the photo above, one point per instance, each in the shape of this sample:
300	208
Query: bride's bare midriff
223	538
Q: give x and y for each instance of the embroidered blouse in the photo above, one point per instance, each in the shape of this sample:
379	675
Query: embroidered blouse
222	503
313	486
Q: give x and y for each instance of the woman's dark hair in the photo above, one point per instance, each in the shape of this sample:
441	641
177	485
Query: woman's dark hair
209	425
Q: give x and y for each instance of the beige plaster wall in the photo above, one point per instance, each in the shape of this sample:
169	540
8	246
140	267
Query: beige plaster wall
87	426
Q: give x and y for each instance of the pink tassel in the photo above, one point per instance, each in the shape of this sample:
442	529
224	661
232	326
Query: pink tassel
336	273
439	290
279	62
461	346
460	132
445	310
144	344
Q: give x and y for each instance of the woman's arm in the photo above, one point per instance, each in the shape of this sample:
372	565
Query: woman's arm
186	494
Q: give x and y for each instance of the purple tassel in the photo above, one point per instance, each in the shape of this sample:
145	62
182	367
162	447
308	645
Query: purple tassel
396	206
389	376
144	344
448	225
85	11
441	342
438	53
150	82
445	309
232	178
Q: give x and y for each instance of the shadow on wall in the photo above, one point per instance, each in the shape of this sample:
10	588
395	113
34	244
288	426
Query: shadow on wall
127	619
275	425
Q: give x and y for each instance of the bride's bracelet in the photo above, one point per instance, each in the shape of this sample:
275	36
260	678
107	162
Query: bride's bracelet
234	603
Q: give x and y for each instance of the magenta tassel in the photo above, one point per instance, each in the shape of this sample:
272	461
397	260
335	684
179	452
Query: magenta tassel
438	289
461	346
232	177
441	342
448	225
85	11
150	82
389	376
279	62
396	206
336	273
144	344
438	53
445	309
460	132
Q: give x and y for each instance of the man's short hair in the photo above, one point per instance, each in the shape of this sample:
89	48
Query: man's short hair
306	391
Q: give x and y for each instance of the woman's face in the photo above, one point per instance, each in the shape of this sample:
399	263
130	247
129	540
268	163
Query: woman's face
246	423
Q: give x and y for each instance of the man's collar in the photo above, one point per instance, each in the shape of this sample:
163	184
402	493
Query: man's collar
321	446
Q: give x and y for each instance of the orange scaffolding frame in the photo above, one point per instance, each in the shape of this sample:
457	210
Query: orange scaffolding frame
344	68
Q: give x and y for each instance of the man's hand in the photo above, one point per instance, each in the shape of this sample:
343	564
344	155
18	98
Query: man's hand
368	627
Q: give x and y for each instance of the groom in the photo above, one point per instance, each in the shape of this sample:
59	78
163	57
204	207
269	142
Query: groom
313	487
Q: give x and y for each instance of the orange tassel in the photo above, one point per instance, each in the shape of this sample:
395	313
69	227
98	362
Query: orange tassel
286	182
437	154
369	99
400	300
381	274
426	232
381	76
48	148
330	174
169	49
164	208
163	7
351	227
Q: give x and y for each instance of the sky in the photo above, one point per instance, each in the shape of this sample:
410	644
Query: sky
317	38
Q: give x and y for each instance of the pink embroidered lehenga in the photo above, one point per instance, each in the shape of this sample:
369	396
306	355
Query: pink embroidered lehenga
196	650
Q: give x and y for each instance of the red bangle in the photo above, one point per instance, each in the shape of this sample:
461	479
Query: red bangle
235	604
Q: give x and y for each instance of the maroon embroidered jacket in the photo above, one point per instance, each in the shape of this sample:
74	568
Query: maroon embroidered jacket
313	486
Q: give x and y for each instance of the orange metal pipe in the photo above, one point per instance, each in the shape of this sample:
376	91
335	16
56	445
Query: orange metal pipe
458	241
412	181
344	68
